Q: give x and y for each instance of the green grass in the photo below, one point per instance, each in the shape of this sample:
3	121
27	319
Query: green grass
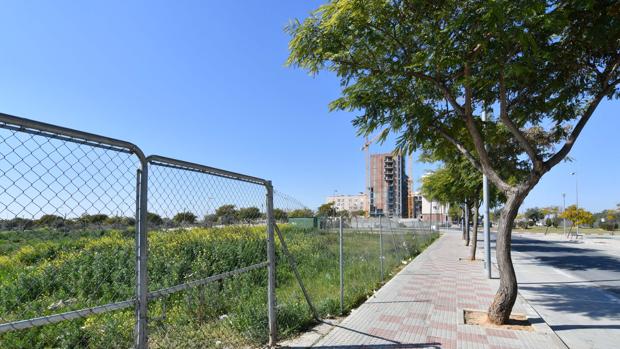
45	272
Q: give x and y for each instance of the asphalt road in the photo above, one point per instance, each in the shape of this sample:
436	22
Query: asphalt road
574	286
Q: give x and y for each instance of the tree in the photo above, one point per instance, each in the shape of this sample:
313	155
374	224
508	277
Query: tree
93	218
425	70
184	218
577	216
280	215
457	183
154	219
226	214
301	213
534	214
50	221
248	214
326	210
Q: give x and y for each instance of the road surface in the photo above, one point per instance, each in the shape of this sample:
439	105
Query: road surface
573	285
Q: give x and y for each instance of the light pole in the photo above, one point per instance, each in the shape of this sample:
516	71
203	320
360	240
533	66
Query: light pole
576	198
563	210
485	204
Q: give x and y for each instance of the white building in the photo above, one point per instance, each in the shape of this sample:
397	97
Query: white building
426	210
349	203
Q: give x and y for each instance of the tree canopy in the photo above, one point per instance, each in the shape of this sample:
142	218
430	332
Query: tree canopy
426	70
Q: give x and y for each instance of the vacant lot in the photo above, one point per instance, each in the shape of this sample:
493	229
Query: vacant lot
45	272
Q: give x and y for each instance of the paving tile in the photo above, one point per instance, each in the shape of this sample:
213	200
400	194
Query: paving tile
421	307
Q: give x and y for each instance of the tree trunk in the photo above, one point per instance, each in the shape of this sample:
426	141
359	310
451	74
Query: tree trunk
463	224
499	311
474	237
467	218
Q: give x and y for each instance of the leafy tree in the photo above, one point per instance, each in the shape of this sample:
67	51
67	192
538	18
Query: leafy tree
119	220
534	214
425	70
184	218
301	213
154	219
326	210
50	221
358	213
577	216
248	214
280	215
226	214
93	218
210	219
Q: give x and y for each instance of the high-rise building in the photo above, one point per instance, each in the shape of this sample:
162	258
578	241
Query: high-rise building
388	185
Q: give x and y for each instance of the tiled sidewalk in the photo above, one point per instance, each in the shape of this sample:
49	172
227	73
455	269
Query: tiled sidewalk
422	307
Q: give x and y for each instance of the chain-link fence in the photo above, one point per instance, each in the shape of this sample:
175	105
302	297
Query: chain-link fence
207	256
68	210
102	247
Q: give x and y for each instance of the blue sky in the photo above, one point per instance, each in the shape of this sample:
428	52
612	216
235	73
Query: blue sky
205	81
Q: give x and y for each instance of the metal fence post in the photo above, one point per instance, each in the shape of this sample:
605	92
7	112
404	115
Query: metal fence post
271	258
341	253
381	246
141	262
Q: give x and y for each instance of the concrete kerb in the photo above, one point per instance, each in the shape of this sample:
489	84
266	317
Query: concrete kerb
541	325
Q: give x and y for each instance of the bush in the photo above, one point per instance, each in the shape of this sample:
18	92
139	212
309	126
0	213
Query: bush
523	224
50	221
154	219
184	218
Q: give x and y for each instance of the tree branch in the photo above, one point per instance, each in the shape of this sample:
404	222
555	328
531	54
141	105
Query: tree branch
572	138
458	146
485	161
514	129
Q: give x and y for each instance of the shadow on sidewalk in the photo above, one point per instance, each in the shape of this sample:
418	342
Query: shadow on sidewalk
577	327
574	299
433	345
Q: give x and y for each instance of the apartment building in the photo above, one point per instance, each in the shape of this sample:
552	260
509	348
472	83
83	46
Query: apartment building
388	186
349	203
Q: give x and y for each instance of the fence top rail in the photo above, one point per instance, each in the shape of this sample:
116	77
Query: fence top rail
185	165
19	124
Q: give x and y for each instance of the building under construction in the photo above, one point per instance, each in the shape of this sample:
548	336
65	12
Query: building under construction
388	187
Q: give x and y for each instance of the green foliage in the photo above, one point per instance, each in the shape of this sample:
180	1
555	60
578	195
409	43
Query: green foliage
301	213
184	218
578	216
249	214
226	214
280	215
358	213
534	214
96	219
326	210
64	272
419	68
50	221
154	219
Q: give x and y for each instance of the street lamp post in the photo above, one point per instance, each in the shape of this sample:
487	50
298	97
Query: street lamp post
576	198
485	210
564	209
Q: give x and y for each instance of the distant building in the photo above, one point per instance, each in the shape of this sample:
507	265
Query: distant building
425	210
357	202
388	185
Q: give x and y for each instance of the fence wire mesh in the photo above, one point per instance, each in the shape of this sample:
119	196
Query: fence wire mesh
370	247
203	228
67	239
74	209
